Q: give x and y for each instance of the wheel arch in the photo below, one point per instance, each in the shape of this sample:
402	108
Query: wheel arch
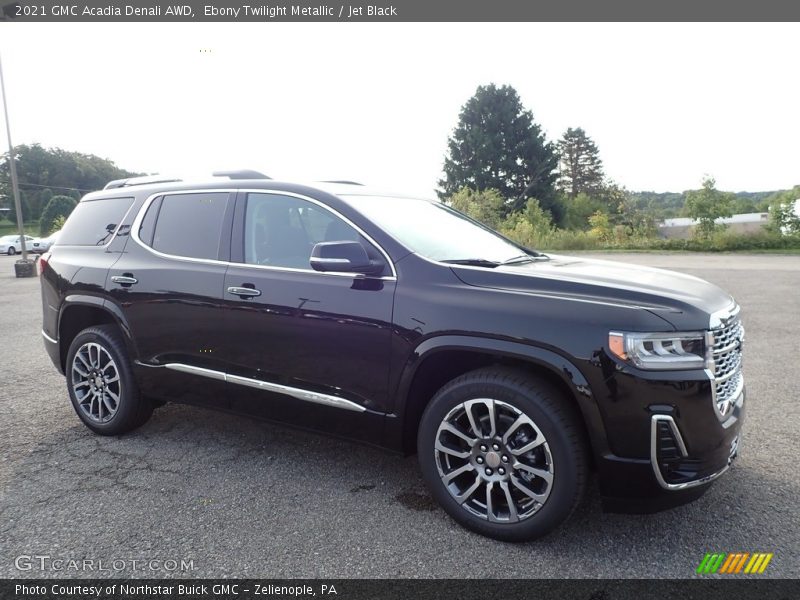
439	360
81	311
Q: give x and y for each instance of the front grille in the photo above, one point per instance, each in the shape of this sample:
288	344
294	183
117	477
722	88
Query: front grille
727	356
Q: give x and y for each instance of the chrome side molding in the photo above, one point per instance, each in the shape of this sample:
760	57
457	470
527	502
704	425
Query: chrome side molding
299	393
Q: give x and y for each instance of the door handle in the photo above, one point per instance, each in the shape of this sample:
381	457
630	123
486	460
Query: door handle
124	279
243	291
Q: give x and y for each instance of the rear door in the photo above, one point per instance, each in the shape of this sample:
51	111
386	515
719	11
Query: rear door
168	283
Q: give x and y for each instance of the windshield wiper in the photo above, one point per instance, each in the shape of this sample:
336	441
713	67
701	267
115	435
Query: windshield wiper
522	258
474	262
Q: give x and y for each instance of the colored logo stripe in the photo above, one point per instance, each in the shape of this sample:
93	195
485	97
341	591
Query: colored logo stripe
734	562
758	563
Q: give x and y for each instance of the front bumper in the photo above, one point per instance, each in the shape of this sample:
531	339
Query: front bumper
675	472
656	421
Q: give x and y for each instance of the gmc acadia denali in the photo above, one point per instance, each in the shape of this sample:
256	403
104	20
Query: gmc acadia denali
401	323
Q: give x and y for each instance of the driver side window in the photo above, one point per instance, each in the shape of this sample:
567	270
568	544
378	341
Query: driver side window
281	231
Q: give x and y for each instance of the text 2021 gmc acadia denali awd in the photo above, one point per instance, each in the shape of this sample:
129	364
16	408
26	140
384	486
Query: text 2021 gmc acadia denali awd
402	323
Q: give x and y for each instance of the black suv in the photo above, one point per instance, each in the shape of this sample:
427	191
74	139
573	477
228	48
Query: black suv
402	323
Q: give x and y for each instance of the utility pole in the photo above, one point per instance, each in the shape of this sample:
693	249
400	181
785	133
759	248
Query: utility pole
23	268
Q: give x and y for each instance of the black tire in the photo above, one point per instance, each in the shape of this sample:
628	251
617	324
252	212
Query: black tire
132	410
12	251
564	445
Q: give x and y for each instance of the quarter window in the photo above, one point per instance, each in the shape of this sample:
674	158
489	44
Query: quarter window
94	222
281	230
190	224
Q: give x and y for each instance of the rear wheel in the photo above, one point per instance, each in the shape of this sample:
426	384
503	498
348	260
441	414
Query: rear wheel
101	386
503	453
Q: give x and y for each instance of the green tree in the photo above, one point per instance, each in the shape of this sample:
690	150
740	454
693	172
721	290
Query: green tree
58	222
497	145
579	209
37	200
23	202
706	205
59	206
530	227
486	206
40	170
580	170
601	227
639	218
783	212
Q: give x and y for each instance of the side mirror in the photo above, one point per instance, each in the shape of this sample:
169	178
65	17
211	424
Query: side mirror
347	257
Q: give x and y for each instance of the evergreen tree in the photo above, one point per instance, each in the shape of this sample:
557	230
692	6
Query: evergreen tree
580	170
497	145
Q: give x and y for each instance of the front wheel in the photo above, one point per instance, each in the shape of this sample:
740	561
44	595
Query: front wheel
503	453
12	251
101	385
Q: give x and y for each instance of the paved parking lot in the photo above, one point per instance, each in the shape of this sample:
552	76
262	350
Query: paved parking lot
243	498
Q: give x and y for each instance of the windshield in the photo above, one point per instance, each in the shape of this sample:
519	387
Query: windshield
434	230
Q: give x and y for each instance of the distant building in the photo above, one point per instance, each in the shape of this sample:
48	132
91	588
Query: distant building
683	227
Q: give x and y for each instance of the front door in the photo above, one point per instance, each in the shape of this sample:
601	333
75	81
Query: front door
304	346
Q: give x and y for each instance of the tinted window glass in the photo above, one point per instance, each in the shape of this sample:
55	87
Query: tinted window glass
434	230
148	225
93	223
190	224
282	230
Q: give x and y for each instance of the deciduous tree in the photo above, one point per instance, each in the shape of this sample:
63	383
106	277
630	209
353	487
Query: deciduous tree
59	206
486	206
706	205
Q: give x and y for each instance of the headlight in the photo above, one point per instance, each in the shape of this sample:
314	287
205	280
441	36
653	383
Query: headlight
661	351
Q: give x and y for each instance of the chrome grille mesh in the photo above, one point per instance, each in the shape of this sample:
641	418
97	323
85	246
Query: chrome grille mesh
727	355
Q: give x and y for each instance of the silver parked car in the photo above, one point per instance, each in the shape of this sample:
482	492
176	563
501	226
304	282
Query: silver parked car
11	244
42	245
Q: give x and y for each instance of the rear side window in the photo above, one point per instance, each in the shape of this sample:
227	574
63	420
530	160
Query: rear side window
190	224
93	223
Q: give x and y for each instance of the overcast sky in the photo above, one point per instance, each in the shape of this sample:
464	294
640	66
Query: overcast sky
665	103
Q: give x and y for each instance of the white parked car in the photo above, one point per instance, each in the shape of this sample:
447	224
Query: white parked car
11	244
42	245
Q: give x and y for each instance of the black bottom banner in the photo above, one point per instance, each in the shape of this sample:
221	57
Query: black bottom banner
346	589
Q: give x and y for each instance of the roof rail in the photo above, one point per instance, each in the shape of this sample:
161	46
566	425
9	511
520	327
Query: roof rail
241	174
144	180
343	182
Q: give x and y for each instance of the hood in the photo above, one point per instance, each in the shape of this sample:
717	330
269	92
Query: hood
684	301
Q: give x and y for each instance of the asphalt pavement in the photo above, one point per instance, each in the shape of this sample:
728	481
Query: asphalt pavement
196	493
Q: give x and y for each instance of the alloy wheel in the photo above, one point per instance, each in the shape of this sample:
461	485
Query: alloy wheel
96	382
494	460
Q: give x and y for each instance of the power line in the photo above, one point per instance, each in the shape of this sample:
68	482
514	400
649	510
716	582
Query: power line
57	187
